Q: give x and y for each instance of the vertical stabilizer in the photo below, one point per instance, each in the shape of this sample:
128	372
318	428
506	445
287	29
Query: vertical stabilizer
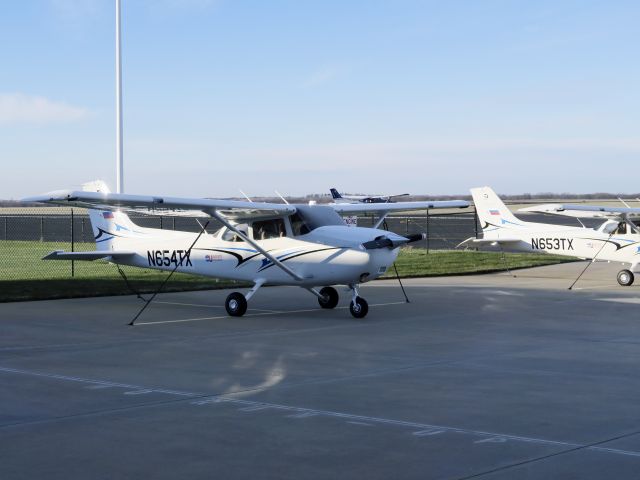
491	210
111	228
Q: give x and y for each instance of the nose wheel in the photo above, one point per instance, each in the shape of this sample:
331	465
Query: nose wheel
359	307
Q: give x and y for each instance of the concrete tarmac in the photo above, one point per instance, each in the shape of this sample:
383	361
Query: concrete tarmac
490	377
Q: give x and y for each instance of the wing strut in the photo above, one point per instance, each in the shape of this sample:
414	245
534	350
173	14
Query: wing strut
168	277
222	219
593	260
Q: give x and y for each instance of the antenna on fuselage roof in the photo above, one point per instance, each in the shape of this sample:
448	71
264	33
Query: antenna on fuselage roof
245	195
283	199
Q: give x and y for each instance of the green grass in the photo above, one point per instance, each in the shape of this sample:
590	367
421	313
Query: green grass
23	275
414	262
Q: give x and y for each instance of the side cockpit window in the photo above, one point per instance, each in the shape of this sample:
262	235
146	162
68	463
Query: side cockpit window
622	229
266	229
298	226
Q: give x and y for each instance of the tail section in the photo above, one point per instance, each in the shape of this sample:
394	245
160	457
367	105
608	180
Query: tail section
111	228
335	194
491	210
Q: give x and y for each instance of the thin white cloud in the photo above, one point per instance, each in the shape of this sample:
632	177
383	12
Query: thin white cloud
76	9
18	108
187	3
321	76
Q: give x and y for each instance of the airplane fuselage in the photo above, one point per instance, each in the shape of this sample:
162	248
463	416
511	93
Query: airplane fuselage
320	257
569	241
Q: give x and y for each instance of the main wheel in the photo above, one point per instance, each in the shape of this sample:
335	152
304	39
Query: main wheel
331	297
236	304
359	308
625	277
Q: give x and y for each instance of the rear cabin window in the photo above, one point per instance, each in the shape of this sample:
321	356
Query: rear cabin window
266	229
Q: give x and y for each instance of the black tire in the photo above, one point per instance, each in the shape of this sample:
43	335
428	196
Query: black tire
331	297
359	308
236	304
625	278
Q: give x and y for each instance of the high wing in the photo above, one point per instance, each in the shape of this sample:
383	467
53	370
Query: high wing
583	211
383	208
159	204
222	210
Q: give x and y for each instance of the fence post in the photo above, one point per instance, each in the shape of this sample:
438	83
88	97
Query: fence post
428	231
161	223
407	225
82	229
174	223
73	265
6	219
42	229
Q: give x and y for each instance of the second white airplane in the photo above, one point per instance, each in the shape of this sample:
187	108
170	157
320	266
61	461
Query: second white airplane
616	240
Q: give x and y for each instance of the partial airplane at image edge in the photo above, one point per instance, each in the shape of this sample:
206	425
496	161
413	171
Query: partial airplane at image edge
617	239
339	198
309	246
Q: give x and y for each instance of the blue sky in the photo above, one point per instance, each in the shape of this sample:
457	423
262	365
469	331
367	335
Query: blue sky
299	96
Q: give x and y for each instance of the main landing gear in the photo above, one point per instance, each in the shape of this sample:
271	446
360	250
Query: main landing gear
236	303
329	298
625	278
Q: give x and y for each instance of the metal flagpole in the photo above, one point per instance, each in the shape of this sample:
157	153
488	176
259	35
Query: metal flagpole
119	162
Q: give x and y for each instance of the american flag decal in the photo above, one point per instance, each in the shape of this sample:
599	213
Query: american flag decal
494	212
107	214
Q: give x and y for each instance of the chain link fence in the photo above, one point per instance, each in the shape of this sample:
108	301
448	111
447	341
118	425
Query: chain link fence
28	234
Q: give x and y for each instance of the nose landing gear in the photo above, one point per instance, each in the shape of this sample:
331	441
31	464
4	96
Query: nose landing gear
358	306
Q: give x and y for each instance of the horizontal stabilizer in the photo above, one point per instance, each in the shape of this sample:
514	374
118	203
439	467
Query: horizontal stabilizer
479	242
88	256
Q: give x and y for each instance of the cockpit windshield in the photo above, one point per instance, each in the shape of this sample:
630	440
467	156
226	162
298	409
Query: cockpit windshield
231	236
308	218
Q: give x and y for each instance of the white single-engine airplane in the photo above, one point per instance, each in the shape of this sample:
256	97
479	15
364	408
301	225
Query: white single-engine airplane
615	240
264	243
339	198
